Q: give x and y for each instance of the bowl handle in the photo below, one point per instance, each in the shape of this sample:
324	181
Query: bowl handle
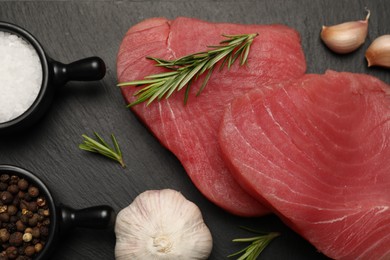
88	69
98	217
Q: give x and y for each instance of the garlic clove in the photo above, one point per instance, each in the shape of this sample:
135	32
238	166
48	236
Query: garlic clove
161	224
345	37
378	53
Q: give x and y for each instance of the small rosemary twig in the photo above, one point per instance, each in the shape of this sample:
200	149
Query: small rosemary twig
257	244
188	68
101	147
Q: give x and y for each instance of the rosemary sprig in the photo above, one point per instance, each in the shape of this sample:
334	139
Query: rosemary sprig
101	147
188	68
257	244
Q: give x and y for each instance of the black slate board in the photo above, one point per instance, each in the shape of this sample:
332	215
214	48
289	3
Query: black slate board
70	30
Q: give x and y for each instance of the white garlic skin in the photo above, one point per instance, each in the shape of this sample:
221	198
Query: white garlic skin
162	224
345	37
378	53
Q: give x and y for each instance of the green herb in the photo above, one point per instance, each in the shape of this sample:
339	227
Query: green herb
101	147
188	68
257	244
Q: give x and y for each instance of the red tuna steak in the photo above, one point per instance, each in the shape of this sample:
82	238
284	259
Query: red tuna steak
190	131
317	152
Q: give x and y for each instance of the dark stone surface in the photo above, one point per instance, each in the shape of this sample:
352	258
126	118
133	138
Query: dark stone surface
71	30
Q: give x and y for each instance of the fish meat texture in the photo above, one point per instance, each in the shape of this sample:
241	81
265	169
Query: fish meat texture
316	151
190	131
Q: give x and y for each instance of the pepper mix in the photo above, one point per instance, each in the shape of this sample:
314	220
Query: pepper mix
24	218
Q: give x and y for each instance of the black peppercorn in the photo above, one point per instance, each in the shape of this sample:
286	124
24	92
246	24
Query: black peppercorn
46	222
40	212
16	201
13	188
35	232
27	197
14	179
4	178
4	235
20	226
44	231
23	184
16	239
28	213
38	247
32	206
4	217
33	191
12	252
33	221
20	194
12	210
11	227
41	202
41	218
13	219
21	250
23	204
6	197
24	219
46	213
29	251
3	186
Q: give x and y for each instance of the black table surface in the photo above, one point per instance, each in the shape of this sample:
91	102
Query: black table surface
71	30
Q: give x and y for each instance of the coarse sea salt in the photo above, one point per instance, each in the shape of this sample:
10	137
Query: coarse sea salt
20	76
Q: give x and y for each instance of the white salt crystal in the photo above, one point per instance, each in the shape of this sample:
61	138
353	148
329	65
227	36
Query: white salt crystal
20	76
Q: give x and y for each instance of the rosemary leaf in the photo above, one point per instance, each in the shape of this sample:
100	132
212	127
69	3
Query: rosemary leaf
244	55
101	139
158	61
190	74
94	144
237	41
116	145
218	57
224	61
160	90
145	81
186	94
86	148
205	81
164	89
101	147
231	60
187	69
256	246
161	75
175	85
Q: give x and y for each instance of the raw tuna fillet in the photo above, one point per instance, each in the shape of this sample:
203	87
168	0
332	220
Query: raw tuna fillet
317	152
190	131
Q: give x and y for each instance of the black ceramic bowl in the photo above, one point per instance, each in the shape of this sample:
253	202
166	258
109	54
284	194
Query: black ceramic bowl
55	74
63	218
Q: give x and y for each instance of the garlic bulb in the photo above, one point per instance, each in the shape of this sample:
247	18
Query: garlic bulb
345	37
161	224
378	53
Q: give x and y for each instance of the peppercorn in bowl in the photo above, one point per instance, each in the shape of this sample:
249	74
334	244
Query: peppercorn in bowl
31	223
26	208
